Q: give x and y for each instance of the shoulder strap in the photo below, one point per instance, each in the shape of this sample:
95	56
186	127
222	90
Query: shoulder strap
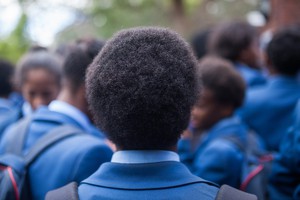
53	136
68	192
229	193
15	146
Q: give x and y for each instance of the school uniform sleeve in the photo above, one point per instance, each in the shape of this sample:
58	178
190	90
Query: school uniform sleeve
220	162
285	175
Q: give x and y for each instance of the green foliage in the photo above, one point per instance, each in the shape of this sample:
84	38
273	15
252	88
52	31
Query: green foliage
13	46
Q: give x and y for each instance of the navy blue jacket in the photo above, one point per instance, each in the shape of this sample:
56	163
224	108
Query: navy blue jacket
9	113
72	159
161	180
252	77
285	176
216	158
268	109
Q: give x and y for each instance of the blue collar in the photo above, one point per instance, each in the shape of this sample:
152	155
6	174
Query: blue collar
72	112
143	156
282	79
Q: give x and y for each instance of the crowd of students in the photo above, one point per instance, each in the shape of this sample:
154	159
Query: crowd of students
169	125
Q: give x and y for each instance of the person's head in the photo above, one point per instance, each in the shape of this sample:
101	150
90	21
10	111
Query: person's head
283	52
199	42
74	71
141	88
6	78
236	41
223	92
91	46
39	77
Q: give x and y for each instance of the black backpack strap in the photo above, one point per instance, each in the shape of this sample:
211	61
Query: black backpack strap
53	136
229	193
68	192
15	146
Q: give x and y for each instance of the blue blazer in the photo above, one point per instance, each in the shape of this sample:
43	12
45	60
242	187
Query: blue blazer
252	77
216	158
162	180
9	113
285	175
72	159
268	109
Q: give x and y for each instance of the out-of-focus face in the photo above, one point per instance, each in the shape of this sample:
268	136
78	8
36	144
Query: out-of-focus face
206	112
40	87
252	56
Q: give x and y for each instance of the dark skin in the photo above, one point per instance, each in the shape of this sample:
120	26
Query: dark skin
251	56
205	114
40	88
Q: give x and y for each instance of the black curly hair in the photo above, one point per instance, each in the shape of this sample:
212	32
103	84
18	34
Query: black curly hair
229	39
220	77
284	50
6	76
141	88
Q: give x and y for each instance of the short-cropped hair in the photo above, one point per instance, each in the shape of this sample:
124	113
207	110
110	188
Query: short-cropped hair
39	60
284	50
6	77
141	88
229	39
220	77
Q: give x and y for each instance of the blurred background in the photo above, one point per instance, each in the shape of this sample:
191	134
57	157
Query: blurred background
51	22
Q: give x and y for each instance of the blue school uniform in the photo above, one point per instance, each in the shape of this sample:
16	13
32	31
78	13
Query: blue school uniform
9	113
268	109
217	158
72	159
252	77
145	175
285	175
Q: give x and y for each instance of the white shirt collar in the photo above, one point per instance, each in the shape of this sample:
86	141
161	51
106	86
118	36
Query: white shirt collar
71	111
143	156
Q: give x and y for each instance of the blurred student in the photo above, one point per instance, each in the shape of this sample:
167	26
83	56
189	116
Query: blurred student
285	176
199	42
7	107
6	85
74	158
269	109
39	77
238	42
140	89
208	149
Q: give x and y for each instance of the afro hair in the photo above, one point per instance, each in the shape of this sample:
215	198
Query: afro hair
220	77
284	50
229	39
141	88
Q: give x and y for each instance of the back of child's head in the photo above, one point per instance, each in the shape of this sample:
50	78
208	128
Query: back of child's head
141	88
77	61
220	78
284	50
6	78
199	42
229	39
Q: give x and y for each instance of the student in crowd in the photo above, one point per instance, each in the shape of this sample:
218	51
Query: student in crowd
207	148
285	176
199	42
39	77
269	109
140	89
238	42
74	158
6	85
7	107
